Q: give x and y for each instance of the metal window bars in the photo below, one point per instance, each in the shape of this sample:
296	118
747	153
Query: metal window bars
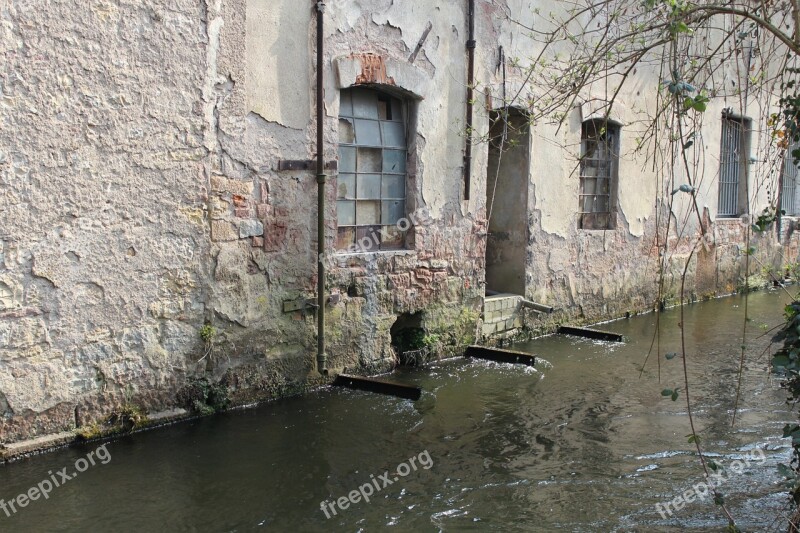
598	174
789	183
730	166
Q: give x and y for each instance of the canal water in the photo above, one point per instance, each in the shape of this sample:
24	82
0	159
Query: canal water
580	443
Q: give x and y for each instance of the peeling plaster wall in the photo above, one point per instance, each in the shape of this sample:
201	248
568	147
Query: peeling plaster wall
277	68
102	206
589	275
140	198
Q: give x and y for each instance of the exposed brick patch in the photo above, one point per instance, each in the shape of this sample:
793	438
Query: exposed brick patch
373	69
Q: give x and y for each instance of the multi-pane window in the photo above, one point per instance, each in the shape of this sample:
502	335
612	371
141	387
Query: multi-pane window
599	160
789	183
732	168
371	192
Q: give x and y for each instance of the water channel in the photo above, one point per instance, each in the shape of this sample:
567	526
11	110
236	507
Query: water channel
580	443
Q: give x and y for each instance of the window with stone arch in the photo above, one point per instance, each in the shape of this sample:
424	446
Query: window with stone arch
371	186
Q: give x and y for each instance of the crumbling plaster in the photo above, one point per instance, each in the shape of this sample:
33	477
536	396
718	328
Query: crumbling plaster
140	199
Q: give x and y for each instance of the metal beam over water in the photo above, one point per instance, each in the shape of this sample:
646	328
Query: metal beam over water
378	385
500	355
591	333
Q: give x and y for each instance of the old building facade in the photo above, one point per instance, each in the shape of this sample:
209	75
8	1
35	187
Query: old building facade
158	198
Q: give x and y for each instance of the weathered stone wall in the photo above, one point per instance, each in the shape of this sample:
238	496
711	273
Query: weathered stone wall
148	238
103	233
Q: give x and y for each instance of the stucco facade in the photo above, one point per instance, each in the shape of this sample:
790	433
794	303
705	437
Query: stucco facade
142	197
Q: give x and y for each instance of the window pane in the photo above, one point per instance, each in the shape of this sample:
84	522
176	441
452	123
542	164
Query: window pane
365	103
345	104
369	212
346	186
394	134
383	109
397	113
394	187
394	161
393	210
347	159
369	187
368	238
369	160
347	134
345	237
368	132
346	213
392	238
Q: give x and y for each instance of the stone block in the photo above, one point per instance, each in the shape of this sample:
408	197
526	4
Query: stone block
250	228
263	211
222	230
275	238
222	184
439	264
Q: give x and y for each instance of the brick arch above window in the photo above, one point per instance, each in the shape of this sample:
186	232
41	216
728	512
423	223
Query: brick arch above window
398	77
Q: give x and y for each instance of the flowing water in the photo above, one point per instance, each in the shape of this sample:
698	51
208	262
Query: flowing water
580	443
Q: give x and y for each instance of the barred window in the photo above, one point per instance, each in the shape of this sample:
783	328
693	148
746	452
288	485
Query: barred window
371	191
732	167
599	161
789	183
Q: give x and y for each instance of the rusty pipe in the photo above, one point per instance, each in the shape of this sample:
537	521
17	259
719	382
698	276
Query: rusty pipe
470	96
322	357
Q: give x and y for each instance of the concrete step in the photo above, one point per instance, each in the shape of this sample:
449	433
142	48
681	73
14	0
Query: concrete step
501	313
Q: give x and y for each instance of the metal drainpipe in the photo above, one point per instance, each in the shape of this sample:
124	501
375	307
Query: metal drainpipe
470	96
322	358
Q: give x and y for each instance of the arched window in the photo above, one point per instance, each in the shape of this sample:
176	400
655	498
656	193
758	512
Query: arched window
371	190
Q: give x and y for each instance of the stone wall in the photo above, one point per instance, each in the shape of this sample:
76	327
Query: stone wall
149	239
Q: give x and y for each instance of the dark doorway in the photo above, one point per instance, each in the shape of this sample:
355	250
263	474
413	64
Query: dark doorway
507	201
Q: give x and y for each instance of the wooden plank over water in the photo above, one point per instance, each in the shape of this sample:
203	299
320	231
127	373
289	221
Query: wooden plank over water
591	333
379	386
500	355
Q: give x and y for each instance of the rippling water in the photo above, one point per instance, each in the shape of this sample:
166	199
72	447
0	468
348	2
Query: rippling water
581	443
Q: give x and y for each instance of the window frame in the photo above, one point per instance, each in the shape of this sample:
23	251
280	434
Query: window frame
788	162
363	180
732	192
607	132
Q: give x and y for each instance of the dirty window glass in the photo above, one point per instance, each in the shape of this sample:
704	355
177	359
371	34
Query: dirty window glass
599	157
371	184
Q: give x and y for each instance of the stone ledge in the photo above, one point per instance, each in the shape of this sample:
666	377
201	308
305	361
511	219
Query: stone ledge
12	451
16	450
